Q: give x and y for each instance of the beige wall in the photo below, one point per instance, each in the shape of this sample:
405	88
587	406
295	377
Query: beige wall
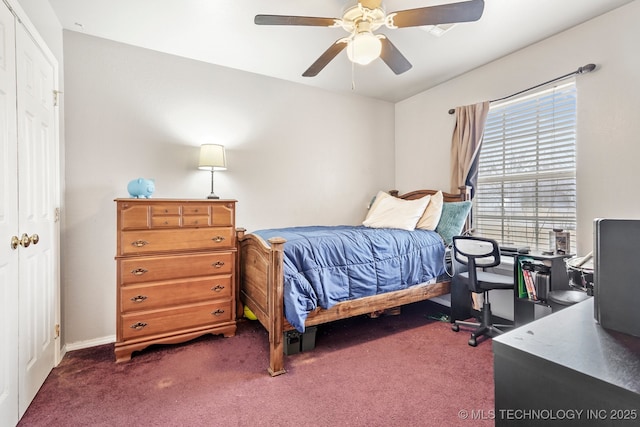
608	114
296	155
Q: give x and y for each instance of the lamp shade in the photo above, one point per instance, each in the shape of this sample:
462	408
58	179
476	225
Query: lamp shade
364	48
212	157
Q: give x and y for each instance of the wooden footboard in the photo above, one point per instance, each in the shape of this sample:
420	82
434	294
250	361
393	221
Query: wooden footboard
262	288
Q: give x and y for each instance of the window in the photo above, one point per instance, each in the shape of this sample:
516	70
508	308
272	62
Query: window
527	169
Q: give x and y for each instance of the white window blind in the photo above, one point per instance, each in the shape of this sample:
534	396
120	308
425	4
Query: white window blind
527	169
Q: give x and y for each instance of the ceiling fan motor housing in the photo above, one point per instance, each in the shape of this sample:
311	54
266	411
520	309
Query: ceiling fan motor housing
358	15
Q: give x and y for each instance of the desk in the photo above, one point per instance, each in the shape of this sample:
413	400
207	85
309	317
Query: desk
566	362
524	309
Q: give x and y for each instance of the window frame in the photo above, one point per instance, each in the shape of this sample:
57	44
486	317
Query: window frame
550	136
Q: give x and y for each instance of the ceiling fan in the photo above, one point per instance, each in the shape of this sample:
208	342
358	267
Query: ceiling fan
361	20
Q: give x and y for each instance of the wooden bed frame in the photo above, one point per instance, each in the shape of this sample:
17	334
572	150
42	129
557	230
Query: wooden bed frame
261	282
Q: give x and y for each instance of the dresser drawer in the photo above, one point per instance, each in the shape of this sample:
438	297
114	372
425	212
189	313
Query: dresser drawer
196	209
158	221
154	269
165	209
168	294
155	322
195	220
140	242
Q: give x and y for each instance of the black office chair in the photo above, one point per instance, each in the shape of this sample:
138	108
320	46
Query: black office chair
478	253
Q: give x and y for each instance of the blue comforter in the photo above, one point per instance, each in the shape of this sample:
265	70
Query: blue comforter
324	265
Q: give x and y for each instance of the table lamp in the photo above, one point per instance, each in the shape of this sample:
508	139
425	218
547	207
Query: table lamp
212	158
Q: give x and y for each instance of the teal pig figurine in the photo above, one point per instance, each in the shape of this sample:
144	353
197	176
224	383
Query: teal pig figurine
141	188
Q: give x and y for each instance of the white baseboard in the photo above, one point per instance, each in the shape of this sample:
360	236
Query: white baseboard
90	343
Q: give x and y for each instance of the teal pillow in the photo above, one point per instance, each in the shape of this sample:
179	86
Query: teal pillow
451	223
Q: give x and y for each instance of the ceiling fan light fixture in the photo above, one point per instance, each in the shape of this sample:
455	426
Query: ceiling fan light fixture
364	48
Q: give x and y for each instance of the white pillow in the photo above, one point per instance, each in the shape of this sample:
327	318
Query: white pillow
431	216
392	212
376	201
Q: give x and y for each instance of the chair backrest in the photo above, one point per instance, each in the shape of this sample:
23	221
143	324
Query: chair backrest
475	252
481	251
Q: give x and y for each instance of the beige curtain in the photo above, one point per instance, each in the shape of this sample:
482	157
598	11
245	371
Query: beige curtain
465	144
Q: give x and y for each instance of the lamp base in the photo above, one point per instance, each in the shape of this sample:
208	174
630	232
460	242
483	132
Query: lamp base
212	196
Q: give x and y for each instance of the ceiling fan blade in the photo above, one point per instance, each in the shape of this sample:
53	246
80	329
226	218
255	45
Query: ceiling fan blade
310	21
325	58
443	14
393	58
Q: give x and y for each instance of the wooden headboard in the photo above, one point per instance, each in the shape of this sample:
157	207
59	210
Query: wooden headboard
464	194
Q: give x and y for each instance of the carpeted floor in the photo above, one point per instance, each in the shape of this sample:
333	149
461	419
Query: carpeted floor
401	370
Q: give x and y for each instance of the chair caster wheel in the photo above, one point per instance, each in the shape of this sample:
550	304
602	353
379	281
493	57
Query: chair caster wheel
455	328
473	342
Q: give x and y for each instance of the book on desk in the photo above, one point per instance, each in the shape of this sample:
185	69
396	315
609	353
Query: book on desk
533	278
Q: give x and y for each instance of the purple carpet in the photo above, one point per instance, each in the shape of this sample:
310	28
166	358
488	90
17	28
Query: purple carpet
394	370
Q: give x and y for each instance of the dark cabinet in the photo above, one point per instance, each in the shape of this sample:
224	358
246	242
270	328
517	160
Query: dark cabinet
566	370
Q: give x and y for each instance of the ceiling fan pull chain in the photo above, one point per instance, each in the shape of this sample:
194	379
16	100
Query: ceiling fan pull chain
353	77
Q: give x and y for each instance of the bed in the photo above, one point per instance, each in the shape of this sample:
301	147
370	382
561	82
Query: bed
262	280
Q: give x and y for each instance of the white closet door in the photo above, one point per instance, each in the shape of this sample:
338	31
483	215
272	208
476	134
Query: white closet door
8	223
37	183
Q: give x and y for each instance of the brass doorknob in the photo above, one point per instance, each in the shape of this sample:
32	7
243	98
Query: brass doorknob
24	240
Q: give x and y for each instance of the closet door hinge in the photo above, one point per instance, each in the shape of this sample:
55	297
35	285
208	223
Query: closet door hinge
57	332
56	97
56	215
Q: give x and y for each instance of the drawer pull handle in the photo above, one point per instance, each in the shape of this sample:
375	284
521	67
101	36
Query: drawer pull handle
218	239
218	312
138	271
139	298
217	288
218	264
139	243
138	326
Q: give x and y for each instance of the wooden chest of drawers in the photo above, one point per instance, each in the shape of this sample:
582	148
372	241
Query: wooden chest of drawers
176	271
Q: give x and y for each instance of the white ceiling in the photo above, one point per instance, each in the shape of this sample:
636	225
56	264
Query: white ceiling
222	32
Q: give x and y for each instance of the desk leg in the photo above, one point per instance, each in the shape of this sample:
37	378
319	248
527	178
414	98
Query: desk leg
460	300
